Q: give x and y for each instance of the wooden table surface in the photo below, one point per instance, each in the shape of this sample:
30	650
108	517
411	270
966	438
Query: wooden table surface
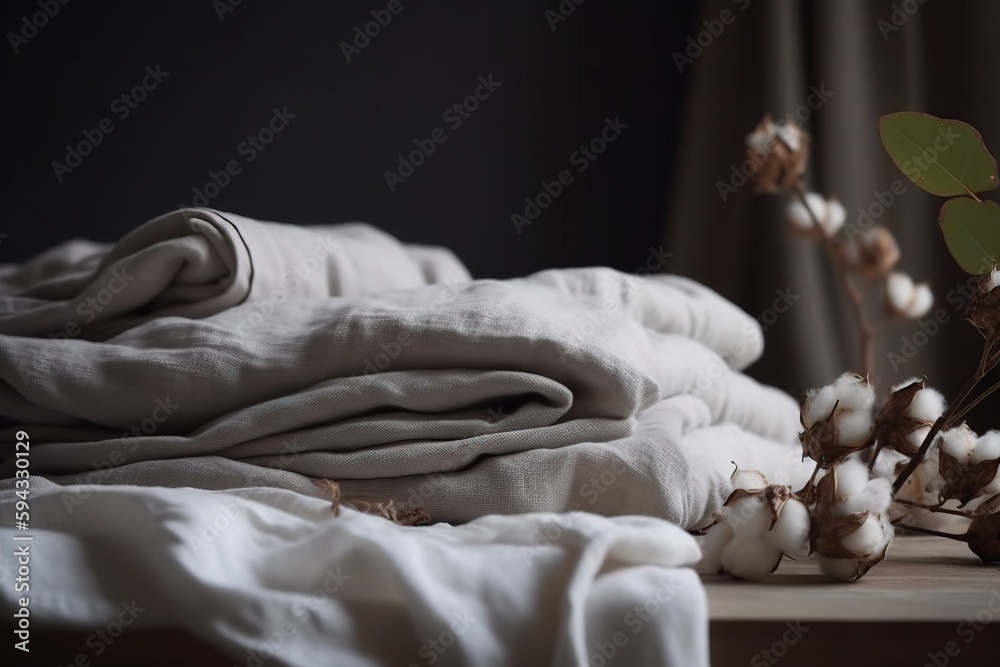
931	602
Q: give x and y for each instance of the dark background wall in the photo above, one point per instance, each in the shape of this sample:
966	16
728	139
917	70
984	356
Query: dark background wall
606	59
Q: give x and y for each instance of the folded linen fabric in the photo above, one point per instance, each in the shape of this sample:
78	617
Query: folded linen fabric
271	577
578	388
197	262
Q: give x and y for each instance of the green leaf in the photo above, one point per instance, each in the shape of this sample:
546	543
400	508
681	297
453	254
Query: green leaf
972	232
944	157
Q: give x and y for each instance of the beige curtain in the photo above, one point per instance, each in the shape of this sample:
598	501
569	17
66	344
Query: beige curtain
942	59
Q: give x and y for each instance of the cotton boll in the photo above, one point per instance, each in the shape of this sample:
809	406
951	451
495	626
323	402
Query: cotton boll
760	141
917	437
920	305
716	539
819	404
927	405
799	216
867	539
789	134
876	497
791	531
852	477
835	217
899	290
958	443
751	480
887	462
748	517
749	558
854	427
854	393
987	447
844	569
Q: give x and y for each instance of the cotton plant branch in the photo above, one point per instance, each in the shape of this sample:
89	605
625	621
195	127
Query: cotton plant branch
855	498
780	153
866	330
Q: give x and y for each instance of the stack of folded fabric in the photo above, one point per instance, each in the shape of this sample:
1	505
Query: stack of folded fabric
213	351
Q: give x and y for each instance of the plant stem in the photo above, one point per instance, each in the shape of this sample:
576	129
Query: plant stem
928	531
961	413
985	363
866	329
929	508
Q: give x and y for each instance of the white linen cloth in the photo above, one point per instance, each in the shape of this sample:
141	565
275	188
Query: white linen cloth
569	389
269	576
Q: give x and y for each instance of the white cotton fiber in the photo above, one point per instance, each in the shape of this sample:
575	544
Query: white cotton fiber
789	134
748	517
748	479
958	443
716	539
927	405
852	477
854	427
987	447
819	404
790	533
917	437
887	462
799	216
835	217
923	300
899	290
866	539
760	141
876	496
853	392
749	558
